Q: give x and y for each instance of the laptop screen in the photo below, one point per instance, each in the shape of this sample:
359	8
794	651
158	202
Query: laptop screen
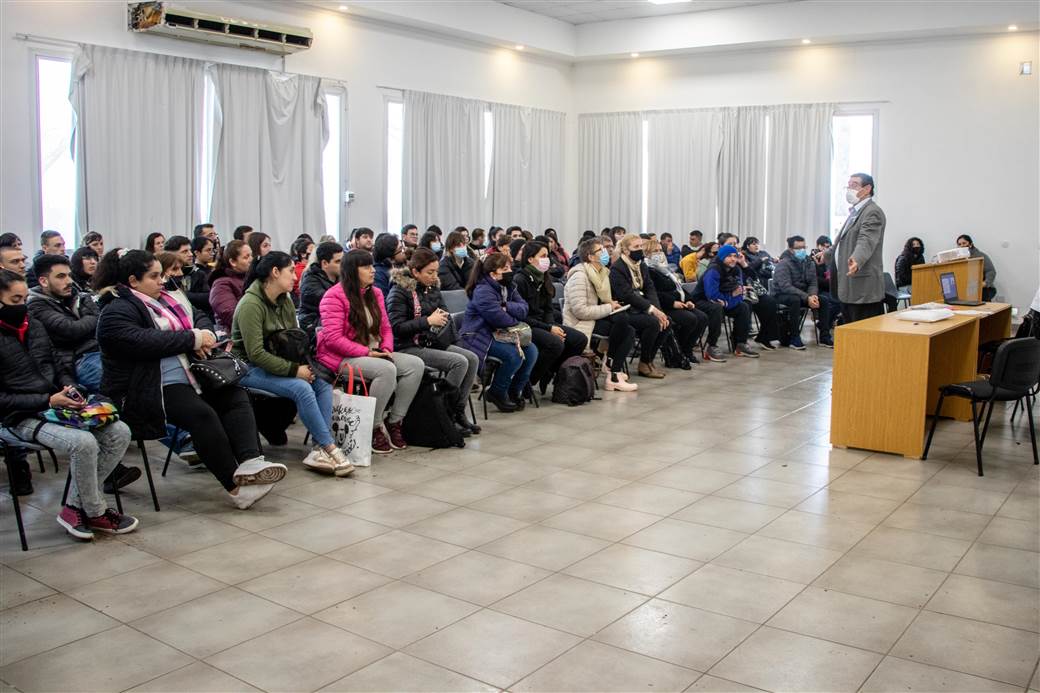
949	286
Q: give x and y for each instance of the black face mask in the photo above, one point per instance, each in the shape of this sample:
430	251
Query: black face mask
13	315
506	280
174	283
636	255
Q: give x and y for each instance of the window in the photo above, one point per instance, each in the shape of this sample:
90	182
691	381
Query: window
854	146
394	164
331	163
210	119
645	174
489	146
57	170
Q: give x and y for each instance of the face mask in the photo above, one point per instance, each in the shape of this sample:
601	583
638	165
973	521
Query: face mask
604	258
657	259
543	264
801	253
461	252
918	251
636	255
506	280
852	196
436	247
174	283
13	315
478	246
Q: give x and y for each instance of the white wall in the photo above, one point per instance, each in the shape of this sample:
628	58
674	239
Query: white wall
958	134
364	54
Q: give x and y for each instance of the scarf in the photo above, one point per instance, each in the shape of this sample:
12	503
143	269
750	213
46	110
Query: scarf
634	270
169	316
599	277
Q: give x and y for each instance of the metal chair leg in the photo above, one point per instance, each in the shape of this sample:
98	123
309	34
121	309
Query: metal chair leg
169	450
935	421
148	473
978	444
119	500
68	483
985	427
16	505
54	459
39	461
1032	431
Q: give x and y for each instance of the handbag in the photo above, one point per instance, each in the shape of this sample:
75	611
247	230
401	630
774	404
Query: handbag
219	369
291	344
96	413
518	335
353	417
752	290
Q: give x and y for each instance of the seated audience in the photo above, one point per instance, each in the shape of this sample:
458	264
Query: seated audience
688	323
516	246
206	231
431	241
387	253
556	269
760	262
51	243
33	380
556	343
259	244
356	331
227	282
147	339
319	278
363	238
556	251
477	243
515	233
302	248
617	233
723	285
95	242
154	243
912	254
756	295
496	305
795	286
671	251
266	308
410	236
422	326
13	260
630	284
819	258
10	240
456	265
693	265
192	280
242	233
84	263
989	270
204	253
696	240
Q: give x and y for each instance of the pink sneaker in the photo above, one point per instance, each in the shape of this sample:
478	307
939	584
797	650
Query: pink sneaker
75	522
396	430
380	444
113	523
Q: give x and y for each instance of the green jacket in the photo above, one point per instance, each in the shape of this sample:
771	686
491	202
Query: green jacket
255	318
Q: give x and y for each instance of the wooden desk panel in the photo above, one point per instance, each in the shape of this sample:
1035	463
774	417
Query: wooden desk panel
926	288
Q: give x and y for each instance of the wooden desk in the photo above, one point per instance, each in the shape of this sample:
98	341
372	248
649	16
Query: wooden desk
887	374
926	287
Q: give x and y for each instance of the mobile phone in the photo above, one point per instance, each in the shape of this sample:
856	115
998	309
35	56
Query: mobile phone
73	394
222	344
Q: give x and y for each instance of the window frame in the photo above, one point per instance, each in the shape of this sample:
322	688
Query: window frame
872	109
35	171
390	96
343	185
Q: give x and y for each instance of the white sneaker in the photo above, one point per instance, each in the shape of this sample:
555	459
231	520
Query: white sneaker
259	471
247	495
343	465
319	461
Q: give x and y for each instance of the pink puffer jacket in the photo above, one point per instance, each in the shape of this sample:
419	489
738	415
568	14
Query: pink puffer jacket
337	340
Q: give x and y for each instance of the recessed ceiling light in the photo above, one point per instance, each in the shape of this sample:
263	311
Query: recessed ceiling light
634	55
667	2
1012	27
519	46
806	42
343	8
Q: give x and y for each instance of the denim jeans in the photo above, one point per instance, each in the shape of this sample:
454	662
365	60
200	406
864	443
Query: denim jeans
92	457
88	371
515	371
313	400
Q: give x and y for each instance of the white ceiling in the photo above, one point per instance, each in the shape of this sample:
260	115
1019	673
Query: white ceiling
587	11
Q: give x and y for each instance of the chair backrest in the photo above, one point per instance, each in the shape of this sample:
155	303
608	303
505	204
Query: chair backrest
455	300
558	289
1016	365
890	285
688	287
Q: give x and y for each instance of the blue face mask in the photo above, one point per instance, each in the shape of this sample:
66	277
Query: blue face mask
436	247
604	258
801	253
461	252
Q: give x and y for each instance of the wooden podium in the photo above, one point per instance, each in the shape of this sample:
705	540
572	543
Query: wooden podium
926	287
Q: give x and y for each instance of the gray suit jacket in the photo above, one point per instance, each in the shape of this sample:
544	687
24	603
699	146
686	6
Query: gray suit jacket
862	239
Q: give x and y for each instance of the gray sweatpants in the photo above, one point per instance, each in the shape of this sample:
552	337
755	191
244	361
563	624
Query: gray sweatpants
458	365
403	375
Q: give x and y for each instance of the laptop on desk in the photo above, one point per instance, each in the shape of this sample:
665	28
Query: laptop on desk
949	289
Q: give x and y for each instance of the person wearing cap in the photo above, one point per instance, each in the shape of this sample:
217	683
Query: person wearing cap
723	285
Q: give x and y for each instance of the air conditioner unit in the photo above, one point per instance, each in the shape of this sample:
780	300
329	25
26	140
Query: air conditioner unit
179	22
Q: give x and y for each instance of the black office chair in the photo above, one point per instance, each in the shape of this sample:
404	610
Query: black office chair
1016	370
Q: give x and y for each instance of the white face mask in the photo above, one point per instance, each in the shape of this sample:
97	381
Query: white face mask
852	196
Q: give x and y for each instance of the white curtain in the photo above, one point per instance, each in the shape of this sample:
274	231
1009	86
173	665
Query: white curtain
797	197
742	172
135	143
610	156
683	172
527	167
272	129
443	161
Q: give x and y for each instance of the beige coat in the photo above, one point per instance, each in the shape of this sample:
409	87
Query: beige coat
581	306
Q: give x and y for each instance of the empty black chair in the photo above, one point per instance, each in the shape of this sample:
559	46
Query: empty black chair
1016	370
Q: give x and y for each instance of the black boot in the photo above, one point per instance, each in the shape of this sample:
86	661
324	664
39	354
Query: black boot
462	419
501	402
518	400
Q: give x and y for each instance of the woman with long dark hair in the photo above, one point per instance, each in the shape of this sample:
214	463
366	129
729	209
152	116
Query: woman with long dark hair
154	242
147	338
259	243
227	282
913	254
495	304
84	263
356	331
266	308
95	241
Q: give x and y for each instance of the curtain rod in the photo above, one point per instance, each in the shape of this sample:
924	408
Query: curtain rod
45	39
865	102
471	98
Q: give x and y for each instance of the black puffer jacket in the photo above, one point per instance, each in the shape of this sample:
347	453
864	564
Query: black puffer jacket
131	349
196	287
410	331
451	275
540	312
71	324
313	285
624	291
29	373
667	290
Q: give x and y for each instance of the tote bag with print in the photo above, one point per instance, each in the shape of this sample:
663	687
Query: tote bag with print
352	417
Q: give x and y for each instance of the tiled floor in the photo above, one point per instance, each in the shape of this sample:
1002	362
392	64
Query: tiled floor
700	535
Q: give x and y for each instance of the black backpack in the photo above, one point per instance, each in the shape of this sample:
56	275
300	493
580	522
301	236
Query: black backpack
671	353
575	383
428	423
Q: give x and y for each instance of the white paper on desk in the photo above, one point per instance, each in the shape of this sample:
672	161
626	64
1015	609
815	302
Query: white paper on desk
918	315
929	306
973	312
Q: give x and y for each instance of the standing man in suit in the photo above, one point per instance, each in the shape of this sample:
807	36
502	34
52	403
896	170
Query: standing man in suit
857	274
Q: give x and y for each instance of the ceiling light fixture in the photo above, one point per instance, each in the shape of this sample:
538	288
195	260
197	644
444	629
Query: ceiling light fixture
343	8
667	2
1012	27
519	46
806	42
634	55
